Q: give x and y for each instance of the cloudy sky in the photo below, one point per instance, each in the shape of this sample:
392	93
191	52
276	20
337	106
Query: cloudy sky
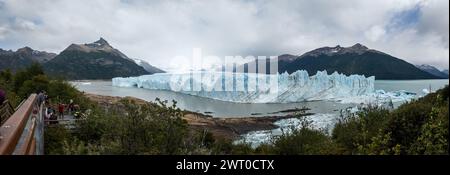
157	31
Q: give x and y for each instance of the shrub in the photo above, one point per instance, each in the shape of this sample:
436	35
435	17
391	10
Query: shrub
136	129
405	123
23	75
55	137
433	138
355	130
302	140
35	85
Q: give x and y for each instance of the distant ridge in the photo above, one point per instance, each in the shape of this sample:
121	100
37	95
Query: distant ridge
432	70
23	58
357	59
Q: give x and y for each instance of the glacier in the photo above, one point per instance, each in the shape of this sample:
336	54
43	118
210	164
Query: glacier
257	88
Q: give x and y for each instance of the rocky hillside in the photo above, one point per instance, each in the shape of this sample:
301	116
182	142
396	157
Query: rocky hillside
22	58
432	70
97	60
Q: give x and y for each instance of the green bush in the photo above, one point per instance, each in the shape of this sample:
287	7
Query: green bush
6	80
417	127
353	130
60	90
433	138
242	149
35	85
302	140
23	75
136	129
55	137
265	149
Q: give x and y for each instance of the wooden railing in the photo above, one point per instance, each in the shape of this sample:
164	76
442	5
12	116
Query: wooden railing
22	133
6	110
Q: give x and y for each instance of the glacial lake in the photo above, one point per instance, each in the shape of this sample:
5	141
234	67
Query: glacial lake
218	108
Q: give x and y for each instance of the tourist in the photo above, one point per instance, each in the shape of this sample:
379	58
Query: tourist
53	118
48	114
61	110
41	97
71	108
47	99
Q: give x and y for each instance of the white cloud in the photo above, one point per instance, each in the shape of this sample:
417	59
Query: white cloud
157	31
375	33
3	32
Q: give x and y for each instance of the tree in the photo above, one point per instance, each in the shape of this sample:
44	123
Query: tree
23	75
36	84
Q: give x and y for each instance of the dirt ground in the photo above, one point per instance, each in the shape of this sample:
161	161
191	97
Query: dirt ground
227	128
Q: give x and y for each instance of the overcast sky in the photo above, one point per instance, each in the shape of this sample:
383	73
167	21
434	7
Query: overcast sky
157	31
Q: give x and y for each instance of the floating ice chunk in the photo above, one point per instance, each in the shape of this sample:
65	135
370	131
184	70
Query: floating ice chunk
380	97
317	121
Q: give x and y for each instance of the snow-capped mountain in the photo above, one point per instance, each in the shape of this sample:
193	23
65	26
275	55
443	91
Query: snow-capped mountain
147	66
432	70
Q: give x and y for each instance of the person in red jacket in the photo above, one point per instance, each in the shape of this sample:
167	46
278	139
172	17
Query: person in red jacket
61	110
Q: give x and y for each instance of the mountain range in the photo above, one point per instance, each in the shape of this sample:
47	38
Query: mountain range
432	70
22	58
357	59
97	60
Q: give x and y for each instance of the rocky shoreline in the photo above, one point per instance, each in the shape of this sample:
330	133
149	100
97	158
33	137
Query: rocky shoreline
226	128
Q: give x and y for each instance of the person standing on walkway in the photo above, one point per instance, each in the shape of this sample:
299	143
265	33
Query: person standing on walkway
49	112
70	106
41	97
61	110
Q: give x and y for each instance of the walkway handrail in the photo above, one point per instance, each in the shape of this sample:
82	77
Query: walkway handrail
19	134
6	110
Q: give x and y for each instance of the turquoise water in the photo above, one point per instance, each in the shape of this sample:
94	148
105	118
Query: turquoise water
228	109
410	85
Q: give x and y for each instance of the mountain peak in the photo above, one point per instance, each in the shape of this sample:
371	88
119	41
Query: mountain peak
330	51
101	41
25	50
97	60
100	45
359	46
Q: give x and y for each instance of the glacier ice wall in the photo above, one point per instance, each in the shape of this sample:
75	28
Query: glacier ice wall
256	88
